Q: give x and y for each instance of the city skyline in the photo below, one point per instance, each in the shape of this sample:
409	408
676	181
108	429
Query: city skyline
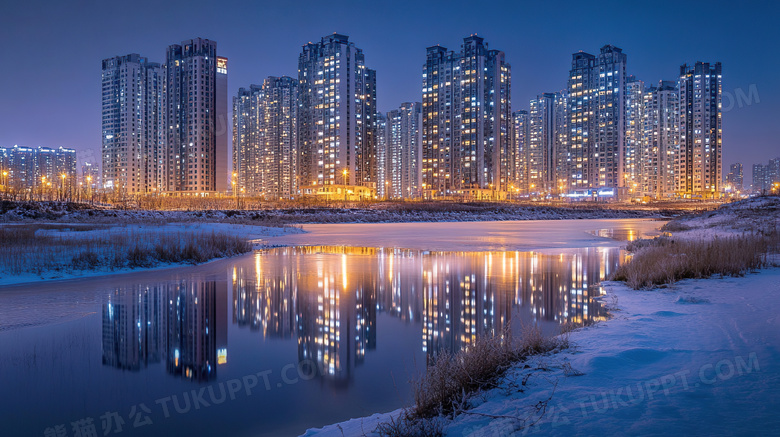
539	66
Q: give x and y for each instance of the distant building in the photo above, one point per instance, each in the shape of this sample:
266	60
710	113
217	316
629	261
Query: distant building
544	145
467	123
30	168
635	112
404	151
90	175
336	115
660	147
735	177
278	137
700	161
247	157
520	139
765	176
382	161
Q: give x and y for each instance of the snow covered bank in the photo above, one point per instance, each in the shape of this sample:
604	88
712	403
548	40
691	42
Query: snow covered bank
52	251
699	358
376	213
756	214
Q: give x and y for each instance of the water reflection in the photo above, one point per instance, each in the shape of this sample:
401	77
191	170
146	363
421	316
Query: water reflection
182	323
327	299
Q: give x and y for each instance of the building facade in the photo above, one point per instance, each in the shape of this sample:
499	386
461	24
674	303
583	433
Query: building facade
247	161
545	148
635	104
404	150
336	115
278	137
196	118
382	175
735	177
133	125
41	169
661	144
597	122
466	111
699	164
520	138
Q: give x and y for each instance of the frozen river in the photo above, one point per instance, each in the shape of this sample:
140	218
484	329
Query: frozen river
333	325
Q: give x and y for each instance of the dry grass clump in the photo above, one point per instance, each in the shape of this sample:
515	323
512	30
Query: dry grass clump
35	249
451	378
666	260
453	375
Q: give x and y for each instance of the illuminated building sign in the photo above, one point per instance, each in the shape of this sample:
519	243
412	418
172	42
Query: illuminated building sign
221	65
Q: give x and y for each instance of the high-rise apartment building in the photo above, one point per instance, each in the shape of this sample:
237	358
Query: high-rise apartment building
635	104
196	118
336	115
247	155
541	158
404	150
562	134
765	176
278	137
610	117
661	142
23	168
467	129
597	121
520	139
699	172
132	125
382	177
579	168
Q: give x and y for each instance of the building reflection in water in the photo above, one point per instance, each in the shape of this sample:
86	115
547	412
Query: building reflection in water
327	298
182	323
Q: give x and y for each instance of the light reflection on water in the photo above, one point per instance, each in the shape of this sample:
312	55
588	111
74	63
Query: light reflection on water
328	309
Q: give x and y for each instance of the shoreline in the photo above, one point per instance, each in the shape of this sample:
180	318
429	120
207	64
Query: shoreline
250	233
653	343
673	347
469	236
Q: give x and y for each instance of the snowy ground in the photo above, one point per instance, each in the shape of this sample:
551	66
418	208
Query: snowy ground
699	358
376	213
757	214
259	235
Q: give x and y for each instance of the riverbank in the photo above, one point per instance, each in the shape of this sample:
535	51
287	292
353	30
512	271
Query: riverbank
283	216
698	358
50	263
36	252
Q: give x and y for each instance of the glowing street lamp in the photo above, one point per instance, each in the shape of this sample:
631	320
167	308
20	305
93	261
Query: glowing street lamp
62	186
233	183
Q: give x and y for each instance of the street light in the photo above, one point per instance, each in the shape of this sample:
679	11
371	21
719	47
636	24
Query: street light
233	182
345	186
63	176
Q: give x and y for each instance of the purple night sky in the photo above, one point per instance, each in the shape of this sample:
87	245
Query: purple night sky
51	51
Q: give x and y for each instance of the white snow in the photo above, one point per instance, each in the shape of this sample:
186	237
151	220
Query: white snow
749	215
699	358
259	235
